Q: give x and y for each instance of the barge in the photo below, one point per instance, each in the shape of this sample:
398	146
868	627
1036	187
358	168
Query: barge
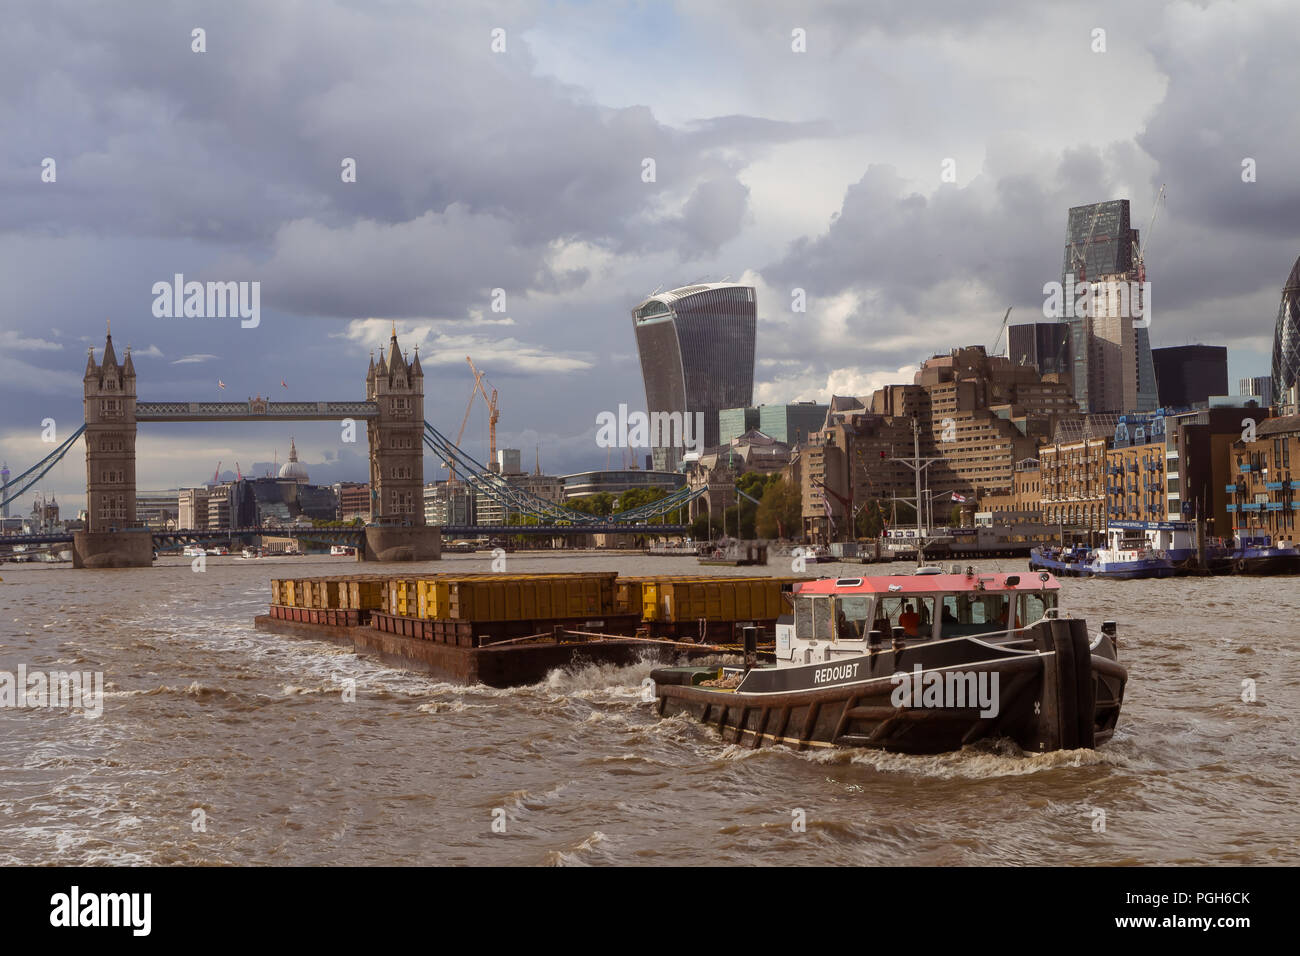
506	630
915	664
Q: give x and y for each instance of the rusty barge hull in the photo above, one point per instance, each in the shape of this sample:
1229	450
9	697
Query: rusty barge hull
500	665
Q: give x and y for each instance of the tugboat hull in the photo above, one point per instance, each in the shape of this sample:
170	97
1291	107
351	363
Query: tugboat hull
1056	689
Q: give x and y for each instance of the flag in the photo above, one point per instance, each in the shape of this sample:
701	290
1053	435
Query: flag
220	384
957	497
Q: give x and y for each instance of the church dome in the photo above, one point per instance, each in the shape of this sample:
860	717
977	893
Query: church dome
291	469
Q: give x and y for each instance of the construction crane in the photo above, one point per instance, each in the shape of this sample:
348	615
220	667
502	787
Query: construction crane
994	350
460	436
1139	250
493	414
216	475
1079	255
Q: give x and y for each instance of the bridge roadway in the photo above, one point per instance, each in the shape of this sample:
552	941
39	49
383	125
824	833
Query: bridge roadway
253	410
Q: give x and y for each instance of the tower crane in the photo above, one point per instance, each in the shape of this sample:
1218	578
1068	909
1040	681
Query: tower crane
1139	245
994	350
1079	255
473	394
493	414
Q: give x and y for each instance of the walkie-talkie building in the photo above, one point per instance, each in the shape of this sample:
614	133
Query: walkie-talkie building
1286	337
1113	369
697	355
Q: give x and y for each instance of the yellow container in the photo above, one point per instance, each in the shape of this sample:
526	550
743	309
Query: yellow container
366	594
332	596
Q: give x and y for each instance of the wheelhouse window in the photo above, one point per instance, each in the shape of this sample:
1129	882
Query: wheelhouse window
1034	606
914	614
967	614
822	618
803	616
852	617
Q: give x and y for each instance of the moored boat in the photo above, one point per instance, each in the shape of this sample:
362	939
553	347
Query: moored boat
1063	562
916	664
1128	554
1260	554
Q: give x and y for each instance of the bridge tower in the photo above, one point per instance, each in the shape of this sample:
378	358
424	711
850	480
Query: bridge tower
396	438
110	441
111	539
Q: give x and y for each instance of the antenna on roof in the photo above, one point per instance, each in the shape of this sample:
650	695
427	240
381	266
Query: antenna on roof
656	291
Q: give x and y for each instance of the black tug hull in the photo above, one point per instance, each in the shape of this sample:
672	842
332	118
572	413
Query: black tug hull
1054	691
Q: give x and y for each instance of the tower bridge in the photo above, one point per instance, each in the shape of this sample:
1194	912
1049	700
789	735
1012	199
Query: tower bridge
396	432
393	412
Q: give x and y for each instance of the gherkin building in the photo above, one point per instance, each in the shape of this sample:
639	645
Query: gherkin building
1286	337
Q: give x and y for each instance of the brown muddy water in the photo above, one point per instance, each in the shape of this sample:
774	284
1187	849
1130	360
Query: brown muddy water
203	713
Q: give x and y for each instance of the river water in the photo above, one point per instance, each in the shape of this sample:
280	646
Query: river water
218	743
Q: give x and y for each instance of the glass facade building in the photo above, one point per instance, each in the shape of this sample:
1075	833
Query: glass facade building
1099	247
1189	374
792	424
734	422
1044	345
1286	337
696	346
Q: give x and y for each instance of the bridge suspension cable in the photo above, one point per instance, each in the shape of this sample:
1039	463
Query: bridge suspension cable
526	503
40	469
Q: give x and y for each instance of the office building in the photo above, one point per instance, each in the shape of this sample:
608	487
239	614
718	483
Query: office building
1044	345
696	346
158	509
219	506
353	498
977	414
789	424
1260	388
1113	370
586	483
508	462
447	503
1188	375
1286	339
734	422
192	509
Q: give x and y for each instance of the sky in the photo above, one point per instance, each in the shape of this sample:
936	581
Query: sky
908	166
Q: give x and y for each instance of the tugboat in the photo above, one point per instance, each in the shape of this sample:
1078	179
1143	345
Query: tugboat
914	664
